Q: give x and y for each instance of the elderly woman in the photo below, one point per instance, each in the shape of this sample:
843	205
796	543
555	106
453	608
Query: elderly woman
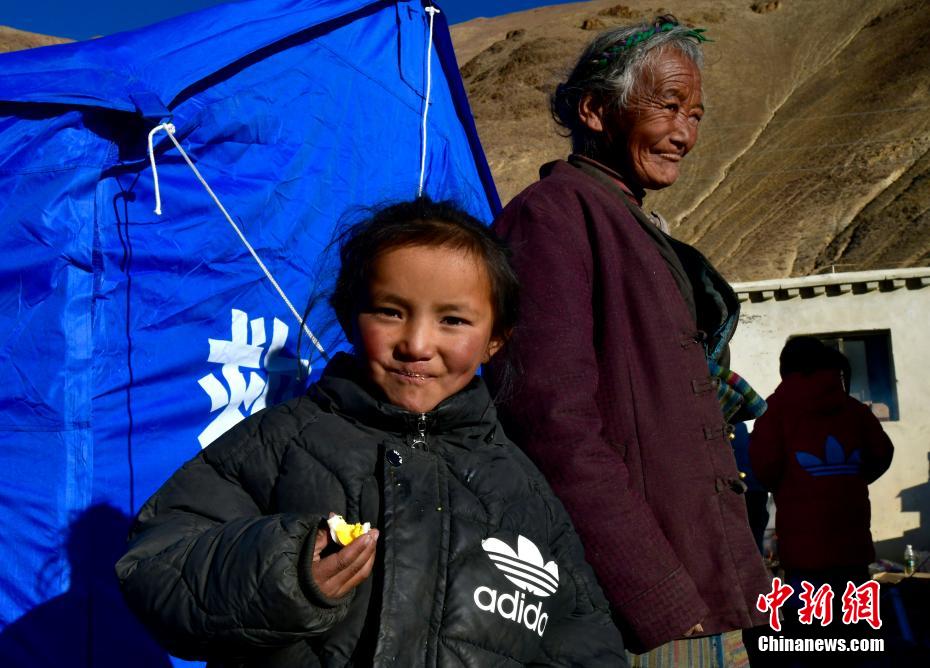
622	331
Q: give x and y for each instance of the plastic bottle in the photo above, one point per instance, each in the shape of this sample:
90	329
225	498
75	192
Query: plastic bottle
910	560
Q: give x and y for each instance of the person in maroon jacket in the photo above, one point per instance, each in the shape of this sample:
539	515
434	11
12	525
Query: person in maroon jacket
817	450
621	322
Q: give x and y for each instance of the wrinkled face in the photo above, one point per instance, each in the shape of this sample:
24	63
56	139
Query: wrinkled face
428	324
660	124
649	137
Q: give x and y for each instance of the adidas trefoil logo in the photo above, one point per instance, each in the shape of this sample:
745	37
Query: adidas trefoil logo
527	569
835	461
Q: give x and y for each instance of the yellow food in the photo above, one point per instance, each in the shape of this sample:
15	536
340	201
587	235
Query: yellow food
343	532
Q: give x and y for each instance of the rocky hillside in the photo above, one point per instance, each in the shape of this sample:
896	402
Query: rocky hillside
815	149
12	39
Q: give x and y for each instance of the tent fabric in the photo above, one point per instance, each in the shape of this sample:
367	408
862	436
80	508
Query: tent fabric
128	340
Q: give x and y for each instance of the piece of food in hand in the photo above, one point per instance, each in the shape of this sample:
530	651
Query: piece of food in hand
343	532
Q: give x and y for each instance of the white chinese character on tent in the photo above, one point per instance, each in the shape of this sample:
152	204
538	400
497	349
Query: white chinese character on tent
245	396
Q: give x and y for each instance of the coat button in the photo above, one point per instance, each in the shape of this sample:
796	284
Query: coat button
394	458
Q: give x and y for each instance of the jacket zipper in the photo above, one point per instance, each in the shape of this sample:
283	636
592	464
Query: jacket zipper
419	439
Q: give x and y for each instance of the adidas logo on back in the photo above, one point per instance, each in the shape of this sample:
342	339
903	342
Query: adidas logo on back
834	462
527	570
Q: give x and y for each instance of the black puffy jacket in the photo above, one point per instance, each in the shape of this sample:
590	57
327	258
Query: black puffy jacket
478	564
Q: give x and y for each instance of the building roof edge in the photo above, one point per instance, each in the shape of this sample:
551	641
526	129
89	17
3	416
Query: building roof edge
834	283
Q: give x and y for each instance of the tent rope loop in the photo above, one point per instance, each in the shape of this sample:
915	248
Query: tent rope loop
170	130
432	11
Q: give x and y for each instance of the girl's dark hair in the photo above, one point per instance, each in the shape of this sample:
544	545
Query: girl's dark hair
803	354
807	354
837	360
420	222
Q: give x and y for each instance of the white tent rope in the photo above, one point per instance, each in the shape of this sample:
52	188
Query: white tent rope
170	130
432	11
152	132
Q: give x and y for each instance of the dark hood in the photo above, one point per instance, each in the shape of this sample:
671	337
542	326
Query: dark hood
818	392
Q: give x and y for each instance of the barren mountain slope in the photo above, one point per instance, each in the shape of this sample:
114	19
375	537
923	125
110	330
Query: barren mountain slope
12	39
813	150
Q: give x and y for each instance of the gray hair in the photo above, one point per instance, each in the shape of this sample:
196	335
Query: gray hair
611	68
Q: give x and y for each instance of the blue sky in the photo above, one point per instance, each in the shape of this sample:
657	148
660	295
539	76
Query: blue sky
81	19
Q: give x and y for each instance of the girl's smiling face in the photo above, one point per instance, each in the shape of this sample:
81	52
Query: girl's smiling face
427	325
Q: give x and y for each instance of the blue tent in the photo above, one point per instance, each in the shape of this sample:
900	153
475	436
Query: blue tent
129	340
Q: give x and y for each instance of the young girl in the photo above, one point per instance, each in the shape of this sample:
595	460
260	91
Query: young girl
472	560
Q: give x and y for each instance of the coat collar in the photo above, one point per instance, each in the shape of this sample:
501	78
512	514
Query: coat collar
709	298
344	390
631	190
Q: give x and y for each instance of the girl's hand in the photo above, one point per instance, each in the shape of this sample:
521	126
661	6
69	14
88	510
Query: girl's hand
339	573
697	628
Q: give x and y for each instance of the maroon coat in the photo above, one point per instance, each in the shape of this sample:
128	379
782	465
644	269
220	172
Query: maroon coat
818	449
613	403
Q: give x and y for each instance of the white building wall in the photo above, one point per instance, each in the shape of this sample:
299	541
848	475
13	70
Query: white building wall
901	304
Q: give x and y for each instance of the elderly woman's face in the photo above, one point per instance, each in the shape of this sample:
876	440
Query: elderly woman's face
659	125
